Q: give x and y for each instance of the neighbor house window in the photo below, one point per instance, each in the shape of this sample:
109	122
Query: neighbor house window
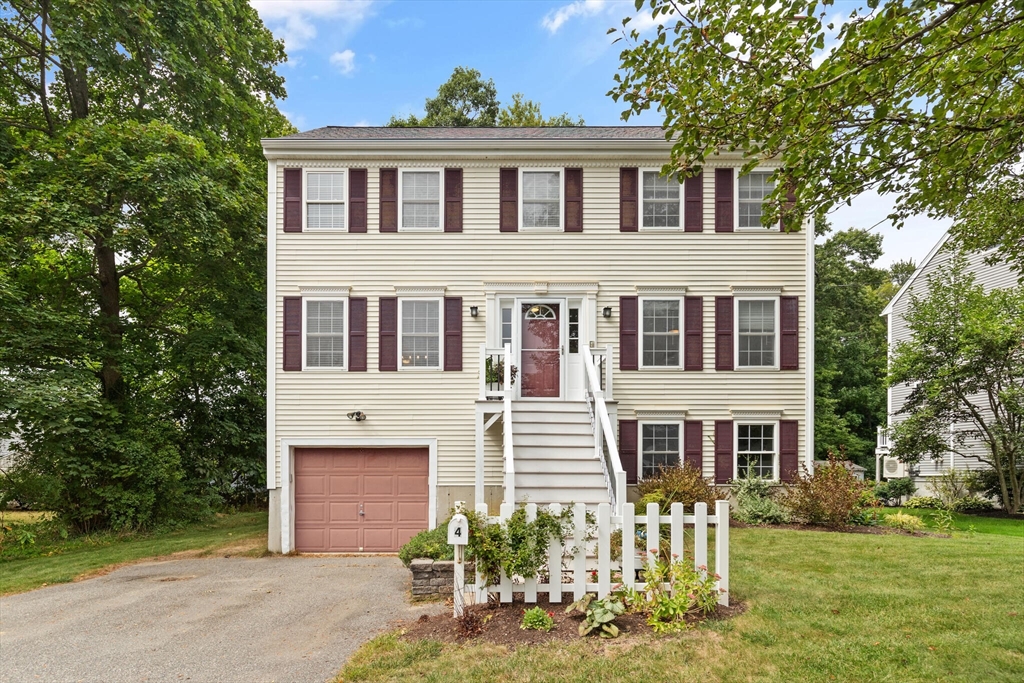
542	199
421	200
659	448
756	324
660	200
661	333
420	330
325	200
325	333
755	450
753	188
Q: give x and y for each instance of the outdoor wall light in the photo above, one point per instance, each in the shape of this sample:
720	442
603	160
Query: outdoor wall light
474	311
607	311
357	415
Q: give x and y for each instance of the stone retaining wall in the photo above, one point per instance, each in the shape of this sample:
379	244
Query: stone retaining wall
435	578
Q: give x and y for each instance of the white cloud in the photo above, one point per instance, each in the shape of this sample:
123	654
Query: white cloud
345	61
554	19
362	123
297	120
295	21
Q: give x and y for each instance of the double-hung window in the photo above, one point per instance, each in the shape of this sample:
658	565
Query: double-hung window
324	339
419	330
661	324
659	447
325	200
752	189
660	198
542	198
756	450
420	191
757	333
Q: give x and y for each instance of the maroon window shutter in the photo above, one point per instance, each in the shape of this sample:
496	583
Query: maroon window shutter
629	327
388	334
509	195
574	200
292	333
357	334
724	349
357	200
723	451
453	200
629	203
693	324
693	439
628	448
389	200
293	200
789	460
693	203
789	326
725	216
453	333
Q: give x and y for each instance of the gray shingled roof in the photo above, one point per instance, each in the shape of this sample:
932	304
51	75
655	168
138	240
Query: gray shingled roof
568	133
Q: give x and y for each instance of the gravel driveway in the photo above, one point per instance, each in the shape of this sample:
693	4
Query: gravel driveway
286	619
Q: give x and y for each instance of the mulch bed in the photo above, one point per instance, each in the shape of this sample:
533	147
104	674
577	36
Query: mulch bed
500	624
875	530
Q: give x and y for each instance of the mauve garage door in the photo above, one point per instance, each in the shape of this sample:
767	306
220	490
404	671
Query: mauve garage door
333	485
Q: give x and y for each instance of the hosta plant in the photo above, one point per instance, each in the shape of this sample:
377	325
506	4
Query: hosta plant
599	615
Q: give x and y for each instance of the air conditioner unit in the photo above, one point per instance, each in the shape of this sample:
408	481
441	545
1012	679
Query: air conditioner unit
893	468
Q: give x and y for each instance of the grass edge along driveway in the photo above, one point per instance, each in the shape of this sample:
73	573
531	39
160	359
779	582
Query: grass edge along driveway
822	607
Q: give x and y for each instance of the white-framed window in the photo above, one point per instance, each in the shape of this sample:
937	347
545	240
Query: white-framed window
757	450
419	192
661	446
506	325
661	201
660	324
324	199
540	198
757	333
751	191
419	334
324	330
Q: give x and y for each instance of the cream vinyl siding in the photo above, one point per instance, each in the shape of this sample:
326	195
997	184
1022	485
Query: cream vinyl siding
442	404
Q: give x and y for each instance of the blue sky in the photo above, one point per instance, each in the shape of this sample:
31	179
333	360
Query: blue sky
358	62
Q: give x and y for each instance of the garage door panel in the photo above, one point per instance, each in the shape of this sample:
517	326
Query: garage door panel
344	462
379	511
380	485
408	461
310	484
379	461
343	484
311	512
380	539
344	512
313	540
410	512
344	540
409	485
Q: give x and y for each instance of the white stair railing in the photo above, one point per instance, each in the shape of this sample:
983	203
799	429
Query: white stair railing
604	436
506	418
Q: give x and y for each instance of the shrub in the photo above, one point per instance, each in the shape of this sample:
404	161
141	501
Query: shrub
972	504
988	482
688	593
756	504
431	544
890	492
953	485
683	485
923	502
901	520
829	496
598	615
536	619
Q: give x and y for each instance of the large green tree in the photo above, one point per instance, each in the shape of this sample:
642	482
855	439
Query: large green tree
923	99
132	212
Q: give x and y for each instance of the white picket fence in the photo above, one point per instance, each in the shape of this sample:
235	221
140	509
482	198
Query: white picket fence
599	565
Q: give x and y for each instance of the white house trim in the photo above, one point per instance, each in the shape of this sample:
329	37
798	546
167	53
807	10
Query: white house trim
417	291
271	324
541	288
316	291
670	291
305	333
736	342
666	414
306	202
917	273
747	415
808	228
440	198
288	447
561	199
756	290
736	444
680	331
640	204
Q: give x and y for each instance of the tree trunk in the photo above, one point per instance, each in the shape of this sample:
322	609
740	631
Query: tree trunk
110	322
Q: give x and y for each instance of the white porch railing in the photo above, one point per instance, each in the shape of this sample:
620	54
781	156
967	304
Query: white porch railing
506	419
604	436
571	559
882	442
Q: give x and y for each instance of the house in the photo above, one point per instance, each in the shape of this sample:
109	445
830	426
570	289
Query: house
856	470
518	314
990	276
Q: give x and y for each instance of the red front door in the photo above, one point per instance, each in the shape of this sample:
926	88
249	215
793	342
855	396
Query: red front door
541	351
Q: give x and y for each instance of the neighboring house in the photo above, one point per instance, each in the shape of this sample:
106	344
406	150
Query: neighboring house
648	322
856	470
990	277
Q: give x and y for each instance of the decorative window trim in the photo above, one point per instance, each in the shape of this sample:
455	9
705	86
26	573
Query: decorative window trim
756	290
736	445
561	199
305	332
541	288
736	334
541	308
661	415
306	202
680	424
416	291
440	334
641	333
736	200
767	416
661	291
440	197
640	203
328	292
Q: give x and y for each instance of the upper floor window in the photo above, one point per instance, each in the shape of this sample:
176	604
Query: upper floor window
659	448
752	190
324	340
420	333
661	333
660	201
755	451
542	199
421	199
756	345
325	200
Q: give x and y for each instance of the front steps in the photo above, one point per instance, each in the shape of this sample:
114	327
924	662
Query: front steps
553	449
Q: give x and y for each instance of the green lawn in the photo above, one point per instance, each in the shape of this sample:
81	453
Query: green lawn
982	525
822	607
50	560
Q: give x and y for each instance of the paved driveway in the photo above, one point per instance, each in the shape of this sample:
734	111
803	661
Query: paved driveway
287	619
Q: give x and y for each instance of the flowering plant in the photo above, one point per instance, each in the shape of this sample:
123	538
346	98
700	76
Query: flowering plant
674	590
536	619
